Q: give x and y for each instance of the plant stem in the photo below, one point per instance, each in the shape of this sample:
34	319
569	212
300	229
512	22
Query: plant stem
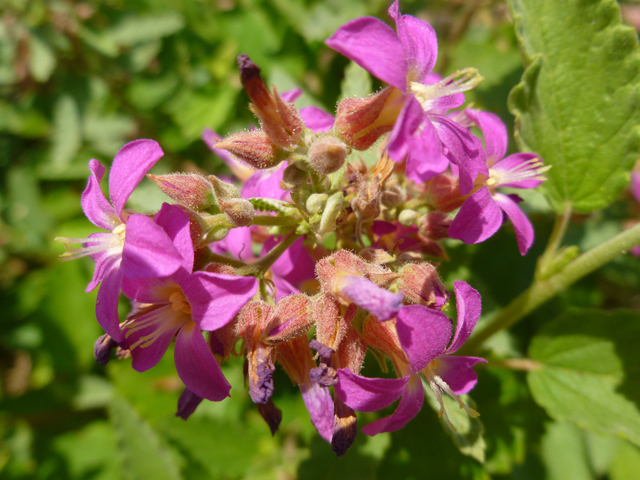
542	290
269	221
555	240
215	258
265	262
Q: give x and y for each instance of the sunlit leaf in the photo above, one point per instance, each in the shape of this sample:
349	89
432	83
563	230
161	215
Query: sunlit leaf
578	105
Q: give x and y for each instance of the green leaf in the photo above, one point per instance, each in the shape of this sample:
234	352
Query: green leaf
589	371
578	104
42	59
67	132
468	433
139	447
564	453
145	28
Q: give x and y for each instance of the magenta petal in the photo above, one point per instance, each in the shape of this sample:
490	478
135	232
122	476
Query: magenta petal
517	166
283	288
401	138
419	41
129	167
107	300
494	132
216	298
375	47
94	204
521	224
317	119
426	159
478	218
295	264
266	184
291	95
175	222
150	290
237	243
197	367
469	307
423	333
148	251
381	303
458	373
409	406
461	148
368	394
159	327
104	259
320	406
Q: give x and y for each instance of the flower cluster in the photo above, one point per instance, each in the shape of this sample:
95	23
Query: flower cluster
318	258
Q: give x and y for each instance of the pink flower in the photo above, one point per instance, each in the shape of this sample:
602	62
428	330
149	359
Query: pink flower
425	336
421	134
182	305
136	246
481	215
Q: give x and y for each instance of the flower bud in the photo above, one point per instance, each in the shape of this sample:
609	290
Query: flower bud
361	121
435	225
293	177
223	190
280	120
316	203
377	256
255	148
332	210
408	217
421	284
327	155
442	192
392	196
192	190
239	211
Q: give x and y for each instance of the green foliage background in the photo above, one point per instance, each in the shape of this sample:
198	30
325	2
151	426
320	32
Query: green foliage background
80	79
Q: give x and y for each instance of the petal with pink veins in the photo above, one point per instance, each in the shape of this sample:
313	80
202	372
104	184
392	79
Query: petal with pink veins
148	337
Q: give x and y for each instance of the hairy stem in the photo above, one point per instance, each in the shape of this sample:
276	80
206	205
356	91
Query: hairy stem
265	262
269	221
542	290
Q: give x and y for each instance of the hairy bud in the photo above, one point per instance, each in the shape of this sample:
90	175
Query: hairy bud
435	225
421	284
192	190
239	211
293	177
255	148
361	121
327	154
279	120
